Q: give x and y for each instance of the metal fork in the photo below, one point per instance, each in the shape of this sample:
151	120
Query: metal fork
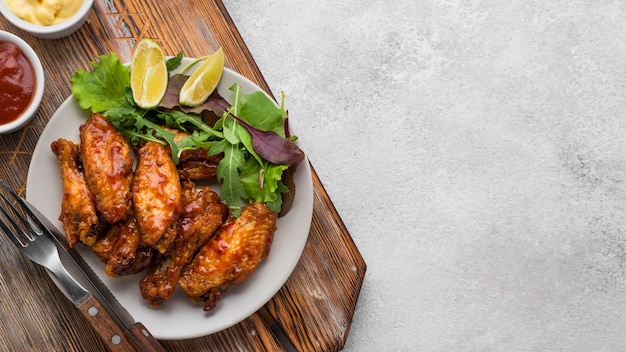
38	248
30	240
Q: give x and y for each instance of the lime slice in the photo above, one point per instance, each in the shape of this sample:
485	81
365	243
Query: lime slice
203	81
148	74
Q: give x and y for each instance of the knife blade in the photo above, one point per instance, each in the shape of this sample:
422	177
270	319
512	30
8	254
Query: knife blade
137	334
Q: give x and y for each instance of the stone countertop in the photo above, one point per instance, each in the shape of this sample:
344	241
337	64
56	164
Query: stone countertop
476	152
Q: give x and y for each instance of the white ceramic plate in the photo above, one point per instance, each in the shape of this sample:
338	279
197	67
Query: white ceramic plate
179	318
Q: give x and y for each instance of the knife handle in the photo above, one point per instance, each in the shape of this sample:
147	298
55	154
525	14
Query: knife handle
142	339
101	321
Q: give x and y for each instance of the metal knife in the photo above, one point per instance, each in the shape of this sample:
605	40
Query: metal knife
134	332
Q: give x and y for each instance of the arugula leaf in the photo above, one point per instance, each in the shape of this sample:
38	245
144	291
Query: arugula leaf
230	128
105	87
195	141
231	131
232	191
184	122
246	139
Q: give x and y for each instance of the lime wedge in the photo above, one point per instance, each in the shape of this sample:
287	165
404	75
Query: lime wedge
203	80
148	74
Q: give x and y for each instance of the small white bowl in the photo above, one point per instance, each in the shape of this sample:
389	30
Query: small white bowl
55	31
30	112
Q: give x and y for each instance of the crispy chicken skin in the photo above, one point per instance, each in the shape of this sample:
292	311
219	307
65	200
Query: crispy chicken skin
198	165
108	167
156	194
104	245
231	255
202	215
195	164
129	255
78	212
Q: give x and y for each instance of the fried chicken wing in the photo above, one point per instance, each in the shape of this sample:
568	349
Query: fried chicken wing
78	211
104	245
108	167
195	164
202	215
156	194
198	165
231	255
128	255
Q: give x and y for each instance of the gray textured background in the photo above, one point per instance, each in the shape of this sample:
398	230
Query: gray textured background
475	151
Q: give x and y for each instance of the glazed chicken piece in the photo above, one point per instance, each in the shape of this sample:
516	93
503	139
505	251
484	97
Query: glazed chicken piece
156	194
195	164
231	255
128	255
202	215
78	211
198	165
108	167
104	245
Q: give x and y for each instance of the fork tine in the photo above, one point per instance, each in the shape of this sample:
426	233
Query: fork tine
8	232
17	215
24	207
12	219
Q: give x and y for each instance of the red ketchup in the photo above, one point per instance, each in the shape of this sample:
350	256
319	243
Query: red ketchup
17	82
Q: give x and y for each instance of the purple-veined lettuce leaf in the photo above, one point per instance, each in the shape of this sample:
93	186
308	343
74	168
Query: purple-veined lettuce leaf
215	103
271	146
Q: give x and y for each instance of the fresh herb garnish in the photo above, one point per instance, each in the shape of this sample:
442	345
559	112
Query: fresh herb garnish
251	133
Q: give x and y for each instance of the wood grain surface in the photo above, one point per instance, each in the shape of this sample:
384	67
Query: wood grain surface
315	306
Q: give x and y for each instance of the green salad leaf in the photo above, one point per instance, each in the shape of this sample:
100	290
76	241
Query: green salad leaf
262	113
103	88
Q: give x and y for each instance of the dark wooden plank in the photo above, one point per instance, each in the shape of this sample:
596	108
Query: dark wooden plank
316	305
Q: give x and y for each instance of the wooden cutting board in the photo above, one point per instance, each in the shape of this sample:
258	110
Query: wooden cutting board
314	308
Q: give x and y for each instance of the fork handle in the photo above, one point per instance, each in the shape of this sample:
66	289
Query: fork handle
114	338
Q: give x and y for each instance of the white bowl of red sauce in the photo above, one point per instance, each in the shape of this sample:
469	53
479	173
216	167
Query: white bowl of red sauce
47	19
21	82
